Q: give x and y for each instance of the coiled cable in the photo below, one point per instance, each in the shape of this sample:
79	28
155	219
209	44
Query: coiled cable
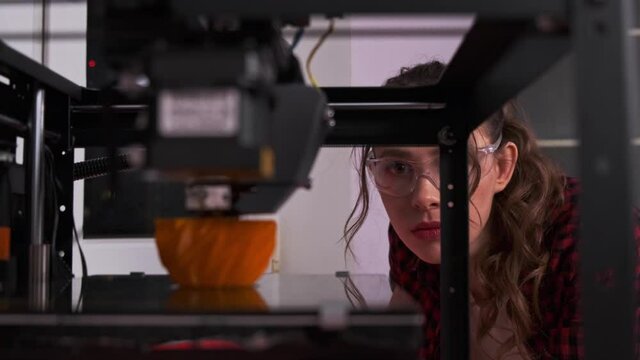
99	167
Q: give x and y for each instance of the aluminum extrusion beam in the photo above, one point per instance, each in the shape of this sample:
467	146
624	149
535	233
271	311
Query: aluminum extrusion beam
259	8
46	77
366	94
454	248
607	110
386	127
496	61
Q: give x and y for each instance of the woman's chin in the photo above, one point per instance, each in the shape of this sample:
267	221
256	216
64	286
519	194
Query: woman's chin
429	253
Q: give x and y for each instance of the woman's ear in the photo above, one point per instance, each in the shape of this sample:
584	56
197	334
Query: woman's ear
506	157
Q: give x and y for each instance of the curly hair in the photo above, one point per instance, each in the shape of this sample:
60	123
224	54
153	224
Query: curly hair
516	253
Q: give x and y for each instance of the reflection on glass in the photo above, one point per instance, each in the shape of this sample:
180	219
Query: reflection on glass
352	293
216	300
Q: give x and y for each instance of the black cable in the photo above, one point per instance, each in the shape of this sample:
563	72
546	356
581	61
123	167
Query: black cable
296	38
80	297
82	258
50	168
84	266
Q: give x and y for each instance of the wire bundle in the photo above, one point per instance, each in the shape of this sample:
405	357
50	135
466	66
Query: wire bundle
313	52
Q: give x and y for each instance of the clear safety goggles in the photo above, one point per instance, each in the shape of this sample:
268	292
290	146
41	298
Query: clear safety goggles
399	177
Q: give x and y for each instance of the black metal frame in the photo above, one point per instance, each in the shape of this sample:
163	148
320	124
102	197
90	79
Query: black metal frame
607	99
494	8
508	47
27	76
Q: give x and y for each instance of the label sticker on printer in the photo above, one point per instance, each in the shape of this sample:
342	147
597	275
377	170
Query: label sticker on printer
208	197
199	112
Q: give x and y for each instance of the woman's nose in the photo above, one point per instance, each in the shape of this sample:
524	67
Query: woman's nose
426	195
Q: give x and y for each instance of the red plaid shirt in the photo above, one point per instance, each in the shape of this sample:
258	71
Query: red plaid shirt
560	334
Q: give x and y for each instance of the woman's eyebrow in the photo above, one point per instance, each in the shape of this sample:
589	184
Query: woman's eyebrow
394	153
400	153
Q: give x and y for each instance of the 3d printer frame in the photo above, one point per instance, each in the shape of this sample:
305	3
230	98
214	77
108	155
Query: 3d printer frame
508	46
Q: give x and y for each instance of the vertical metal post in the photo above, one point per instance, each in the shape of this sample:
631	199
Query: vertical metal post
454	248
39	252
39	257
36	167
57	107
607	95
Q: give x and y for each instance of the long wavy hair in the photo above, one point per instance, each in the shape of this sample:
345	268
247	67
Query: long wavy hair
520	216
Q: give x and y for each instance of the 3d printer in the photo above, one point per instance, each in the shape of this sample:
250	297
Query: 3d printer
215	103
144	78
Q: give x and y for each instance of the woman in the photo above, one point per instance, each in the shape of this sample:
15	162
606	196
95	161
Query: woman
522	235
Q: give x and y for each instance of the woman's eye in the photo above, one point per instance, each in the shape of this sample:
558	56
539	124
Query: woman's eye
399	168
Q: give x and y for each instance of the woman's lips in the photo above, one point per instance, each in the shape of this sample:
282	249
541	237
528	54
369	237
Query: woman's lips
427	230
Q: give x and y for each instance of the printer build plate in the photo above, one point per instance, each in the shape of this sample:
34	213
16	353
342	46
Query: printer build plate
284	315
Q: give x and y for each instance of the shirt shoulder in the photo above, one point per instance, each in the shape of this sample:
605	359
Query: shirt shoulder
561	236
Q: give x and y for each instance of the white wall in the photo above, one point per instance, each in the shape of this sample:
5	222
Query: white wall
311	222
20	18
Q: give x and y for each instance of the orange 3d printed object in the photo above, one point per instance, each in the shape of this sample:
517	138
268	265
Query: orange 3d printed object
215	252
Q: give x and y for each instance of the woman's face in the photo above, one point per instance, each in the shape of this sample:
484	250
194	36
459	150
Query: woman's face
416	216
